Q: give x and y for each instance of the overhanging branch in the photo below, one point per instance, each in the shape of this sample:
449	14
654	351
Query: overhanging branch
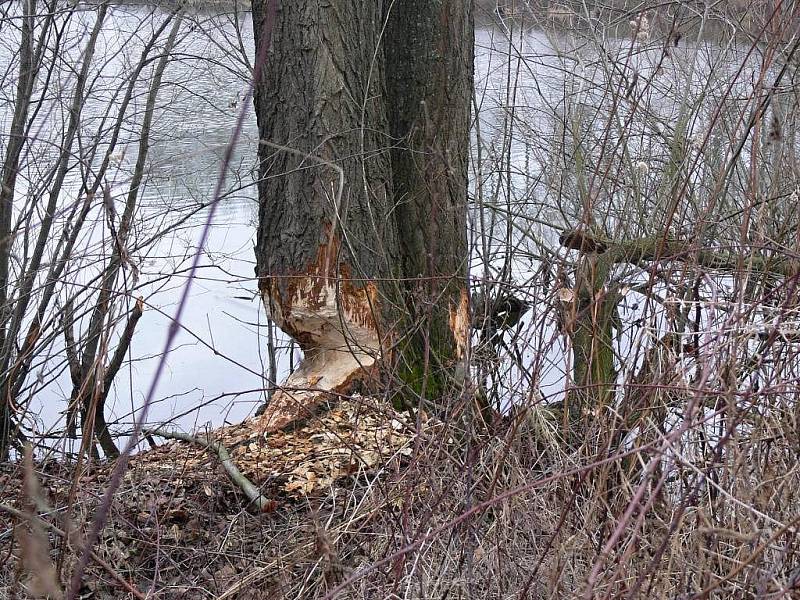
656	248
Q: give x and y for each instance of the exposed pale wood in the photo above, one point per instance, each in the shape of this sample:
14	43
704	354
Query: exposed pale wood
363	113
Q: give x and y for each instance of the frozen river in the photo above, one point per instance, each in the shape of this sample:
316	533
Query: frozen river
218	370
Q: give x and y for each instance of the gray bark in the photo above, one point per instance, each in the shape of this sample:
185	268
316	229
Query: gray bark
363	114
429	62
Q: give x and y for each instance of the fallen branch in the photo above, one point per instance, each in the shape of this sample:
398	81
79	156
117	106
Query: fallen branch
649	249
60	532
248	487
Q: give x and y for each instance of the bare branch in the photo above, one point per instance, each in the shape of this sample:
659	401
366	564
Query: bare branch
248	487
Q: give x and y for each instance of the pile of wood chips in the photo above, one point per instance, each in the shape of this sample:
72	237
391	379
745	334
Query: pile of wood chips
351	436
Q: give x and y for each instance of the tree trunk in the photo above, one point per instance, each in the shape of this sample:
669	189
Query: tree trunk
361	248
594	371
429	62
8	178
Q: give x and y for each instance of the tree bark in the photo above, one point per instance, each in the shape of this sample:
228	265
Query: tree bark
429	52
590	316
361	247
8	178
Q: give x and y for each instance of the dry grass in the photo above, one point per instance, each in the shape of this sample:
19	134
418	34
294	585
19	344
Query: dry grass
495	515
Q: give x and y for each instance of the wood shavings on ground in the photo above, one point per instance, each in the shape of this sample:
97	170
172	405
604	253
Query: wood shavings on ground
179	523
346	437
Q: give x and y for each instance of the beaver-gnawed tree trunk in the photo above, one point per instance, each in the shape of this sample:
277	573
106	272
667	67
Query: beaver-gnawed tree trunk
363	113
429	65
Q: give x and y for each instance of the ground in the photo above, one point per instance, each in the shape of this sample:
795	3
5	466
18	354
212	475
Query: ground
179	525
